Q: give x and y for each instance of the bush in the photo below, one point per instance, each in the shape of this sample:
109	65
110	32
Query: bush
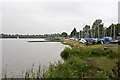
66	53
73	68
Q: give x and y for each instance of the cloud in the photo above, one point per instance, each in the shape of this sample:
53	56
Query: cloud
50	17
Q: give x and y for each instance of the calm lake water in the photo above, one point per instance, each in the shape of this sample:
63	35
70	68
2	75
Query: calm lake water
19	55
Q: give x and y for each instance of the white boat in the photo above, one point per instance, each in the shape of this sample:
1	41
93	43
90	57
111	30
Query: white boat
82	40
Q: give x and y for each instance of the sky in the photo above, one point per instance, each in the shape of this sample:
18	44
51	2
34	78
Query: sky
54	16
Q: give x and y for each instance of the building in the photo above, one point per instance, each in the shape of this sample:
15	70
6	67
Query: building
119	12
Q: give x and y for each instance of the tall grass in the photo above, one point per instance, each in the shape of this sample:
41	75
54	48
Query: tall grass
36	74
77	65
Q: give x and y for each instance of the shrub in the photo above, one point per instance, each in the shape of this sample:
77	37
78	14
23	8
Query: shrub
74	67
65	54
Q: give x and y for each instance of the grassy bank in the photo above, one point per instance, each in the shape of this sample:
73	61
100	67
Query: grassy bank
83	61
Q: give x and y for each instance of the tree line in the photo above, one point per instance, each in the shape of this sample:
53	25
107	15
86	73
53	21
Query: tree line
27	35
97	30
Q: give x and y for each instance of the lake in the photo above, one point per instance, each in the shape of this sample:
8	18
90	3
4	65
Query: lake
19	55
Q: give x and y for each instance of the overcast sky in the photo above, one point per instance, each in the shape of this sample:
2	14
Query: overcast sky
54	16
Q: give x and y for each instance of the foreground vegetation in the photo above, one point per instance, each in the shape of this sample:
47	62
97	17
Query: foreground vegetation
83	61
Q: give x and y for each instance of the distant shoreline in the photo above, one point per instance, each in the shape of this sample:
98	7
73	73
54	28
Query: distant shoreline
43	41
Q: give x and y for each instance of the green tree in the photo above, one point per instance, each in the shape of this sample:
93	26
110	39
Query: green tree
64	34
97	27
101	31
81	33
113	30
86	30
117	30
73	33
